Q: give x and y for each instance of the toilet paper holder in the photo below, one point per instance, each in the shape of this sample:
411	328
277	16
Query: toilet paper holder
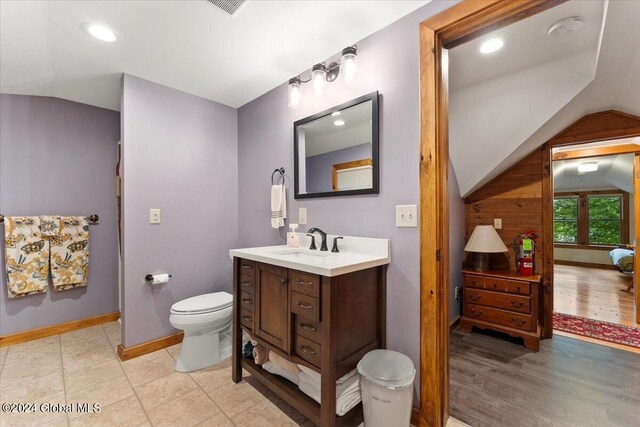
149	277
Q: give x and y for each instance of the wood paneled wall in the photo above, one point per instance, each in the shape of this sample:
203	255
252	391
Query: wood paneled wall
515	196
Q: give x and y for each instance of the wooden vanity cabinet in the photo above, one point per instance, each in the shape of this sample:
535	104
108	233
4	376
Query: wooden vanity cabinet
325	323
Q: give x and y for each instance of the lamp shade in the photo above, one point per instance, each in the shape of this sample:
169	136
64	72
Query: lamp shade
485	239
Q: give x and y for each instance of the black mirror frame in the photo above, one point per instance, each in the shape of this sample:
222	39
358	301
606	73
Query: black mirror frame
375	148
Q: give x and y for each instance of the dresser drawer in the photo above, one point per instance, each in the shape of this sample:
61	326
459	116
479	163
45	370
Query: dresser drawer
305	306
518	287
246	319
247	267
499	317
246	301
504	301
307	350
472	281
247	284
307	328
495	284
305	283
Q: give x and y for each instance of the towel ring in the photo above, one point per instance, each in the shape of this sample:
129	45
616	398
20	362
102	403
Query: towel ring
281	172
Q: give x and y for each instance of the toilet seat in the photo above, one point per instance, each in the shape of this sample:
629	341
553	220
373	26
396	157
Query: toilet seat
202	304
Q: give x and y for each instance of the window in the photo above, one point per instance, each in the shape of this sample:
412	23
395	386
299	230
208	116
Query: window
565	219
591	218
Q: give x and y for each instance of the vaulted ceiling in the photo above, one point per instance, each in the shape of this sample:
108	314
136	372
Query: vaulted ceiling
191	46
498	119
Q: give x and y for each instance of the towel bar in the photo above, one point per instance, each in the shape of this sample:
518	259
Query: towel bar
93	219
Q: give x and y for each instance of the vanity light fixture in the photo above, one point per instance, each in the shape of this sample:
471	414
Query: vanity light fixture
339	122
321	73
100	32
491	45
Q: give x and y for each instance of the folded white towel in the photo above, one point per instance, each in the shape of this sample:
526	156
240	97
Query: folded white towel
278	206
275	369
341	387
345	401
314	377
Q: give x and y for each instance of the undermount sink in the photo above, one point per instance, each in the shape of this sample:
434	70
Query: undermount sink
298	253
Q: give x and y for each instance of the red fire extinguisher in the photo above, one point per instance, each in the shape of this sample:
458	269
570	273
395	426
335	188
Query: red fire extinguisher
524	247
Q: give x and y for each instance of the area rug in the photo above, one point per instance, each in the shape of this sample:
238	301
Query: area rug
605	331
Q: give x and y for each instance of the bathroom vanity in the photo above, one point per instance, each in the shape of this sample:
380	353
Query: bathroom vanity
319	309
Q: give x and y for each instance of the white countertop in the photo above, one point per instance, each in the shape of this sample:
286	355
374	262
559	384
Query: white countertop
356	253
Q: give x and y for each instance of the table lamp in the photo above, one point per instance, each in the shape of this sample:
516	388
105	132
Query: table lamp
484	241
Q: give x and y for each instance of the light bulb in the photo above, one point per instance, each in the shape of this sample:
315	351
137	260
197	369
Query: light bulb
294	92
348	64
318	77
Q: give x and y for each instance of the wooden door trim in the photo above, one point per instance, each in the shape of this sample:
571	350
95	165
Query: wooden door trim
636	213
456	25
585	153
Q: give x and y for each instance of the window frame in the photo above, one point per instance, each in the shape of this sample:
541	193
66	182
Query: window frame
583	219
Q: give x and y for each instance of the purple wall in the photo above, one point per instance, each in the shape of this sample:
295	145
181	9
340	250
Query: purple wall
388	62
456	242
319	176
59	157
180	155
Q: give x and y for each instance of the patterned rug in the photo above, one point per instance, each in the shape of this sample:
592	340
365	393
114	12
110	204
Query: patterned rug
605	331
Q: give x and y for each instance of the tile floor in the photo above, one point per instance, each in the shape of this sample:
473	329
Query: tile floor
82	366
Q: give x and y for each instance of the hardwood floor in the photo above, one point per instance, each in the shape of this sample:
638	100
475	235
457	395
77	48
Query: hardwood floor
495	382
593	293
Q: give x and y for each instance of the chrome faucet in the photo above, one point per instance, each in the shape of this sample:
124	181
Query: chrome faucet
323	246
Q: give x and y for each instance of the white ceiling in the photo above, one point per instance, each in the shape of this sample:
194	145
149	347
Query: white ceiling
186	45
322	136
614	172
616	86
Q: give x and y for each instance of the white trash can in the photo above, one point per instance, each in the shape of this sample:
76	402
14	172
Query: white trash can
387	388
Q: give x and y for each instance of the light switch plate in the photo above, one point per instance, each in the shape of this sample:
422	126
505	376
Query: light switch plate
302	215
497	223
154	216
407	216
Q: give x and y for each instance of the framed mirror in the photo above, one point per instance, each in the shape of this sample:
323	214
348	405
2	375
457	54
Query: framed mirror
336	152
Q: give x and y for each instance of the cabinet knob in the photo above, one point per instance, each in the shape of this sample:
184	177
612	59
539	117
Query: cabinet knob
518	322
516	303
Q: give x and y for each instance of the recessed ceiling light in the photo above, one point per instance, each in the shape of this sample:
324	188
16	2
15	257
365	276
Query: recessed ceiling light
335	113
588	167
565	26
491	45
100	32
338	123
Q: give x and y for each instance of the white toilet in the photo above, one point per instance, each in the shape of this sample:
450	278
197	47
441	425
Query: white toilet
206	322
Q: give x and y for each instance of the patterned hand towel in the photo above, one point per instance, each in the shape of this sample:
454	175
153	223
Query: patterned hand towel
70	253
49	225
26	256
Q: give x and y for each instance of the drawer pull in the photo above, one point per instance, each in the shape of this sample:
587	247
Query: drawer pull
476	313
300	282
246	266
308	327
516	303
474	297
248	284
246	300
495	285
283	280
518	288
306	349
246	318
518	322
305	306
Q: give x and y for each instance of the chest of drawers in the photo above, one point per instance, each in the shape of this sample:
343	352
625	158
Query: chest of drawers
502	301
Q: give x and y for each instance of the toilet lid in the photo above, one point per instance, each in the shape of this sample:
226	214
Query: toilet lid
205	303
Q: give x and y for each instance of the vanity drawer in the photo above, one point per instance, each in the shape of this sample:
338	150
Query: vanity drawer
305	283
471	281
246	301
247	267
307	350
500	317
247	284
495	284
305	306
518	287
246	319
307	328
504	301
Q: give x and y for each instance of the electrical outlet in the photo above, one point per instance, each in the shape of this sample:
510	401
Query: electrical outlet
302	215
154	216
406	216
497	223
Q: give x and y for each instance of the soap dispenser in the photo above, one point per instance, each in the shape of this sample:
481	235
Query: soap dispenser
293	241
